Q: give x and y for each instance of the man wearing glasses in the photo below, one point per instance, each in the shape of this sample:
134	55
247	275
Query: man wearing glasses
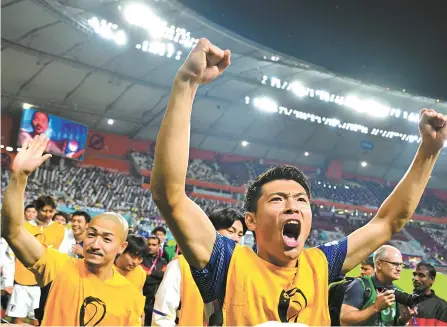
368	302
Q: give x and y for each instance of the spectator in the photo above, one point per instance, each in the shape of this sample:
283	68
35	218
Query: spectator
154	265
61	217
30	212
431	310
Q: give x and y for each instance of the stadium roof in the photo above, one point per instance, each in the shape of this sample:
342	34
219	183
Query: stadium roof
55	56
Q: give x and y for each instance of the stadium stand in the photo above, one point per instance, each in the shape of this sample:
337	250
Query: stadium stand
350	191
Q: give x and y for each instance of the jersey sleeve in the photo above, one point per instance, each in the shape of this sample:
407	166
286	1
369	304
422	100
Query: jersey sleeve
46	268
211	280
167	299
335	253
354	295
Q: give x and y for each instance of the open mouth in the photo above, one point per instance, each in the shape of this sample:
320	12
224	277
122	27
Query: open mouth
291	232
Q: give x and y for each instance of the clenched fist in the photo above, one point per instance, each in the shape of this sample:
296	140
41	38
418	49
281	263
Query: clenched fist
205	63
433	129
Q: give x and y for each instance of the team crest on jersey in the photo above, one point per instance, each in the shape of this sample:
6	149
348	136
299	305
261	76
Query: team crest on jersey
291	303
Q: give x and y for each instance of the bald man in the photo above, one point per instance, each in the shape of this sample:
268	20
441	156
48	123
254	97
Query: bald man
84	292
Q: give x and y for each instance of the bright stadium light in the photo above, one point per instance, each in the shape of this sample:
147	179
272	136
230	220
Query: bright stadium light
141	15
244	143
306	154
107	30
298	89
110	121
138	14
265	104
364	164
368	106
27	106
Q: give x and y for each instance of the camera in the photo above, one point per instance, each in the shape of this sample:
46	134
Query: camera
410	300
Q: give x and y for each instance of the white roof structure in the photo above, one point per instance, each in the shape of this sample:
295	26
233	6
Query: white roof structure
57	56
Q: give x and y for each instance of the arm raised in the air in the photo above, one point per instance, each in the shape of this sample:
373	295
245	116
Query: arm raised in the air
27	249
401	204
186	220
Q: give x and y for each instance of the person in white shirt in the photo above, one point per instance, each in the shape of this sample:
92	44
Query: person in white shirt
228	222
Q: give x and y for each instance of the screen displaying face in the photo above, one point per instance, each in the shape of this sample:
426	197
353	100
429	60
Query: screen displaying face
67	138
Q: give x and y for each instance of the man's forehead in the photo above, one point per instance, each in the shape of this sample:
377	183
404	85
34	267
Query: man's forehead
101	229
422	270
282	186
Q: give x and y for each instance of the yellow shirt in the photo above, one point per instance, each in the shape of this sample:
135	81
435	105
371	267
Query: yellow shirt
192	307
258	291
79	298
51	235
136	277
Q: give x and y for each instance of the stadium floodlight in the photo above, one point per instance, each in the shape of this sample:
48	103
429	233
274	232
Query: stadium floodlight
364	164
107	30
110	121
8	148
27	106
306	154
120	38
376	109
138	14
244	143
298	89
265	104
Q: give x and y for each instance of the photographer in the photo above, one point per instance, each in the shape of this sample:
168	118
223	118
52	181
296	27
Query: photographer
370	301
431	310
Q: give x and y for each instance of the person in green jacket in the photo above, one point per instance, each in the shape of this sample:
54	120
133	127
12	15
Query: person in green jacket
370	300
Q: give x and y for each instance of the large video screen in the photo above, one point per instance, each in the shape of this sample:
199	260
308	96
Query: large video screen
67	138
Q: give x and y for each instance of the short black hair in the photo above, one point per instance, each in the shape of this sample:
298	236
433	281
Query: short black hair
40	112
43	201
283	172
84	214
63	214
136	245
429	267
30	206
224	218
368	261
159	229
153	237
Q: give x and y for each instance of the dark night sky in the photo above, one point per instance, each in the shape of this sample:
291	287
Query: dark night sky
393	43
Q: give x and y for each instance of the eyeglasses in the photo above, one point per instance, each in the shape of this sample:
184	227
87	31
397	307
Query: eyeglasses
394	264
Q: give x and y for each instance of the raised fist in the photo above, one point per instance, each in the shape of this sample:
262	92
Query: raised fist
31	156
205	63
433	129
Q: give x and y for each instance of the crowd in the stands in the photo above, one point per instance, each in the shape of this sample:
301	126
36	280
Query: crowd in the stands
77	187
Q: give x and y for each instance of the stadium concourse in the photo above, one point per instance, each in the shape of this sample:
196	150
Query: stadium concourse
110	67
